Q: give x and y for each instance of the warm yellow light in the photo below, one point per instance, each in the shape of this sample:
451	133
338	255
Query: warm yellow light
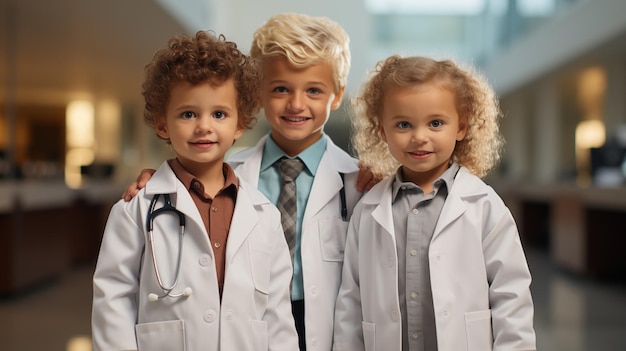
79	118
79	343
590	134
80	140
108	126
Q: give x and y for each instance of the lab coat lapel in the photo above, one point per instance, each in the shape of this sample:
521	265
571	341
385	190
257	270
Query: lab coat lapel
327	178
245	219
380	195
465	186
333	162
247	164
164	181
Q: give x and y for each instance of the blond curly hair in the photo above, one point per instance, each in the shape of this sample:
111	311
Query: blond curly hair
304	41
476	104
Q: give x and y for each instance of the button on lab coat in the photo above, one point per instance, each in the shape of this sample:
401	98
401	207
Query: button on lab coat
255	310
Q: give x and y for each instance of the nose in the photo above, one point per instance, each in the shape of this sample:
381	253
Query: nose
296	102
419	135
204	124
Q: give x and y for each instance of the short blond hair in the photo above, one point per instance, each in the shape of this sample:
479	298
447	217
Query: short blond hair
304	41
476	104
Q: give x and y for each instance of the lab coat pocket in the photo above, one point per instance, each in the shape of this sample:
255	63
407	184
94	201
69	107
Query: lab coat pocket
260	262
333	239
259	335
156	336
478	328
369	336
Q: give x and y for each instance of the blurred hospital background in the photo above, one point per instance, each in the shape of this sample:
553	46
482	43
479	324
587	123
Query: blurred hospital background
72	138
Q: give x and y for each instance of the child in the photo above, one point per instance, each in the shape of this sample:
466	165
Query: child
305	62
232	264
443	267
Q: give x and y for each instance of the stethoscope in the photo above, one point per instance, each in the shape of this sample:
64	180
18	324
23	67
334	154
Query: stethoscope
167	207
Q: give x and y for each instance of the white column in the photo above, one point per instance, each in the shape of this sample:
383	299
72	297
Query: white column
515	129
545	135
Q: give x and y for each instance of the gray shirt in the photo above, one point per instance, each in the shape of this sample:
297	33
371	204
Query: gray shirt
415	216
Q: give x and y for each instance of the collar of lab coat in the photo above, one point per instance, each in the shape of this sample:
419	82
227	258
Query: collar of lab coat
465	188
164	181
340	161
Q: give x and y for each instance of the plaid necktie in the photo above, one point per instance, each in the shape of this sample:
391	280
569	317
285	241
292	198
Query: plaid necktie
289	171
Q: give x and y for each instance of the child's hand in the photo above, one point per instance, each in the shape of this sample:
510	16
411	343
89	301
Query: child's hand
138	184
366	179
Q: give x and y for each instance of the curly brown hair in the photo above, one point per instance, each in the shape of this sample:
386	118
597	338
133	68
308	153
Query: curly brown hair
204	57
476	104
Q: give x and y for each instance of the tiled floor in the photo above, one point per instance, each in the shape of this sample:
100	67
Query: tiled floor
572	314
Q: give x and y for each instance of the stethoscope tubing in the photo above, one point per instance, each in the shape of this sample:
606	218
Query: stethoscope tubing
152	214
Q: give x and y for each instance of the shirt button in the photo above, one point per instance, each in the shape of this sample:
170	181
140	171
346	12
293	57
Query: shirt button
413	295
214	209
217	245
196	185
415	336
415	211
413	252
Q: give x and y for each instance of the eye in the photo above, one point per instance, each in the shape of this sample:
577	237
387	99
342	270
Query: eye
187	115
403	125
436	123
219	115
280	90
314	91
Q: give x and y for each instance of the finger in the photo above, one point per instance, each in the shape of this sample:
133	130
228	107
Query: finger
130	192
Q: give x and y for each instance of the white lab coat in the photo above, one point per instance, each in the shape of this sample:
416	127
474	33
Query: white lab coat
255	310
479	276
323	233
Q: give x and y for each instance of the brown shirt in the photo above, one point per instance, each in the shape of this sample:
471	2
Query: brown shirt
216	213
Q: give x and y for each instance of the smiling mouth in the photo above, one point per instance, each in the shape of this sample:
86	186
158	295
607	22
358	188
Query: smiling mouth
295	119
204	142
420	153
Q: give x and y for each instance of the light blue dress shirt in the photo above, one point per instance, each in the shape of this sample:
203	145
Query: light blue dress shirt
269	185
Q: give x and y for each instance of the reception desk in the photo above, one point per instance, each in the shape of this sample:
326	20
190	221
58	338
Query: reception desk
583	229
46	228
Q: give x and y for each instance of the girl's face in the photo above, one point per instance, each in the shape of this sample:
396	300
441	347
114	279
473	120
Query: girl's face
421	126
201	124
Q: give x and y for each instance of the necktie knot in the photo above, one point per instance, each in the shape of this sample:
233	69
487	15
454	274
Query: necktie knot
290	168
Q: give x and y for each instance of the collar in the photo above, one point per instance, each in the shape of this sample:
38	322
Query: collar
445	180
192	183
311	156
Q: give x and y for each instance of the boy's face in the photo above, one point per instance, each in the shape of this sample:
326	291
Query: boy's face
421	127
201	123
297	102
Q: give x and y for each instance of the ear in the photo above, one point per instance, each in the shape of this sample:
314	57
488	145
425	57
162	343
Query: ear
238	133
460	134
382	133
337	99
161	128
